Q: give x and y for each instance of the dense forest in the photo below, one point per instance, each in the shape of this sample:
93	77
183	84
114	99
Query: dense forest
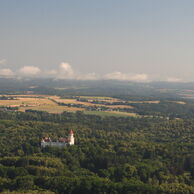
111	154
151	153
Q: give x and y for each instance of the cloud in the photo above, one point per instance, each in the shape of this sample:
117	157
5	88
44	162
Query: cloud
51	73
66	71
3	61
6	72
130	77
173	79
139	77
116	75
29	71
88	76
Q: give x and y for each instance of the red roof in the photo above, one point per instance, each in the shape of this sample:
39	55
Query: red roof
47	139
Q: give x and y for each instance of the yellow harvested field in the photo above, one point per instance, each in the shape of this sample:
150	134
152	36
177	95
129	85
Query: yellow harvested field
49	103
40	103
26	102
179	102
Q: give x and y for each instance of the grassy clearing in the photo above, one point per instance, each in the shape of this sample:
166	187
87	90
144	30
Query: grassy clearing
111	113
96	97
144	102
120	106
101	98
74	101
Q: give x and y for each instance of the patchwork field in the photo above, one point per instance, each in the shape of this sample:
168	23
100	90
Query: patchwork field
50	104
102	106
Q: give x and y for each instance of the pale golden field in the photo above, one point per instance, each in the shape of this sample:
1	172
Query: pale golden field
52	109
26	102
179	102
48	103
34	102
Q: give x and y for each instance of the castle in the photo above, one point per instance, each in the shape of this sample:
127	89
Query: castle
62	142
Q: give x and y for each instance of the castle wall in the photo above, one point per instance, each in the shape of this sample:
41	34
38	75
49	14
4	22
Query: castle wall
53	144
47	141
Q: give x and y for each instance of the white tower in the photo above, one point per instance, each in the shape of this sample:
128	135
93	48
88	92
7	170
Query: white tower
71	137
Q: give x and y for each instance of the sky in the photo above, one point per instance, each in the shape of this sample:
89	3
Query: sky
137	40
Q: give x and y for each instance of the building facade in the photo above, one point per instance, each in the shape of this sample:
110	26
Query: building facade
61	142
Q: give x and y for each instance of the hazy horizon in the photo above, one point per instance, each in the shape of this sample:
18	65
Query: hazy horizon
90	40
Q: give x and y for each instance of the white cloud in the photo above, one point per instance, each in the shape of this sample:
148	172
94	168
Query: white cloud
3	61
51	72
116	75
29	71
130	77
139	77
66	71
88	76
173	79
6	72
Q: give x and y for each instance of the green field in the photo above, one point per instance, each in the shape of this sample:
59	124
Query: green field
115	114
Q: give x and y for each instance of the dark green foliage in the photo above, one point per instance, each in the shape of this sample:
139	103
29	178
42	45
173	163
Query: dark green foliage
111	155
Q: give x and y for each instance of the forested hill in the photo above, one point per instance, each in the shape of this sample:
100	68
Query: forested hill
111	154
114	88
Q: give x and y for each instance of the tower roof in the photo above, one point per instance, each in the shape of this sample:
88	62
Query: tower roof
71	132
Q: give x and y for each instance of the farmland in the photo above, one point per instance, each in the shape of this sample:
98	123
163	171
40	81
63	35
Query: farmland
95	105
51	104
39	103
